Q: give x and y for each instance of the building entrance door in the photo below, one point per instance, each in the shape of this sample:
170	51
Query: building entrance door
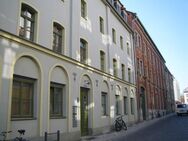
143	103
84	111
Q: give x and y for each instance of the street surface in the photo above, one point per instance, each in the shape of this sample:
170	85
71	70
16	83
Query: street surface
173	128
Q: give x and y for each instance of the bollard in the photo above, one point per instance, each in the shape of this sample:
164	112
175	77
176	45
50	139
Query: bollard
45	136
58	135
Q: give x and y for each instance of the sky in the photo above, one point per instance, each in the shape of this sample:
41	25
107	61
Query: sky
167	24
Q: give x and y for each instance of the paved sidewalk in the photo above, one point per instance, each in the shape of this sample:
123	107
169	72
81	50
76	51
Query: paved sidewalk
132	129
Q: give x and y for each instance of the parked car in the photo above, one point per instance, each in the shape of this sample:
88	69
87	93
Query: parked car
181	109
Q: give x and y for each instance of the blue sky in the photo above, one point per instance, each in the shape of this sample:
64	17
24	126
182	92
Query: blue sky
167	23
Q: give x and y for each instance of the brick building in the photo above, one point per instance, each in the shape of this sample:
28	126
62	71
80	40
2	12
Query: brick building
169	91
150	72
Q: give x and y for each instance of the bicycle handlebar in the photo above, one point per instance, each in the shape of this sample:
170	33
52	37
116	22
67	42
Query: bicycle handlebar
21	131
5	132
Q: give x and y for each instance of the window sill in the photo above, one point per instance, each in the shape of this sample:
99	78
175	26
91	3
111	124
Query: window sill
22	119
57	117
105	116
84	18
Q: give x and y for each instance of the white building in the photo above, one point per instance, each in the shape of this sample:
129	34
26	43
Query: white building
177	90
66	65
185	94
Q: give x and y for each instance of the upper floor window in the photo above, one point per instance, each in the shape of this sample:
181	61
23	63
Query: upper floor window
83	51
113	35
121	42
57	38
128	49
123	71
129	74
101	25
22	97
141	68
102	60
83	9
137	39
115	69
27	22
115	4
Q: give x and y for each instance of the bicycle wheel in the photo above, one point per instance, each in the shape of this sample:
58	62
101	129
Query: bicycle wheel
118	126
16	139
124	126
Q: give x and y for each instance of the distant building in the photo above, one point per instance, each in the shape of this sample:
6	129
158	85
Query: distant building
169	95
150	72
182	99
185	94
176	91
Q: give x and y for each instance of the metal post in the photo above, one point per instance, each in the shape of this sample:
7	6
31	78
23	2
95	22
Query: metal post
58	135
45	136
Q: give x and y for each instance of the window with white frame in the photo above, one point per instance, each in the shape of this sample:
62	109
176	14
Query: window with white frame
58	33
132	106
117	104
104	103
83	9
22	97
83	51
123	71
128	48
115	69
114	35
101	24
121	42
56	100
102	60
27	22
129	74
125	102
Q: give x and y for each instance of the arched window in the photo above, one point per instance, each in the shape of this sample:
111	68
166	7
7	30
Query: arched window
27	22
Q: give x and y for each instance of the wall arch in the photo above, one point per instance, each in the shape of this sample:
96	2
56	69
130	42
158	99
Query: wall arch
86	81
28	67
86	105
105	87
58	78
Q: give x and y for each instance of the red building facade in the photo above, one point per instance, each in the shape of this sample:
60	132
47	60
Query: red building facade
150	72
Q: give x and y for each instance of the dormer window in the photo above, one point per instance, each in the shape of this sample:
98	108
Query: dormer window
115	4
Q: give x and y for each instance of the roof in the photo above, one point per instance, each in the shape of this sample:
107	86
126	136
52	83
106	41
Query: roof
155	46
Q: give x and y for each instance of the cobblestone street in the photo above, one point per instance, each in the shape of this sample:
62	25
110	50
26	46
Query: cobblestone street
169	128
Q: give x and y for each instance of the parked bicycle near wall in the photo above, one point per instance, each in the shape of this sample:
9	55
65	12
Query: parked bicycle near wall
20	138
120	124
4	135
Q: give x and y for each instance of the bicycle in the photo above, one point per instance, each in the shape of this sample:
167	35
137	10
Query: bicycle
120	124
20	138
4	134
